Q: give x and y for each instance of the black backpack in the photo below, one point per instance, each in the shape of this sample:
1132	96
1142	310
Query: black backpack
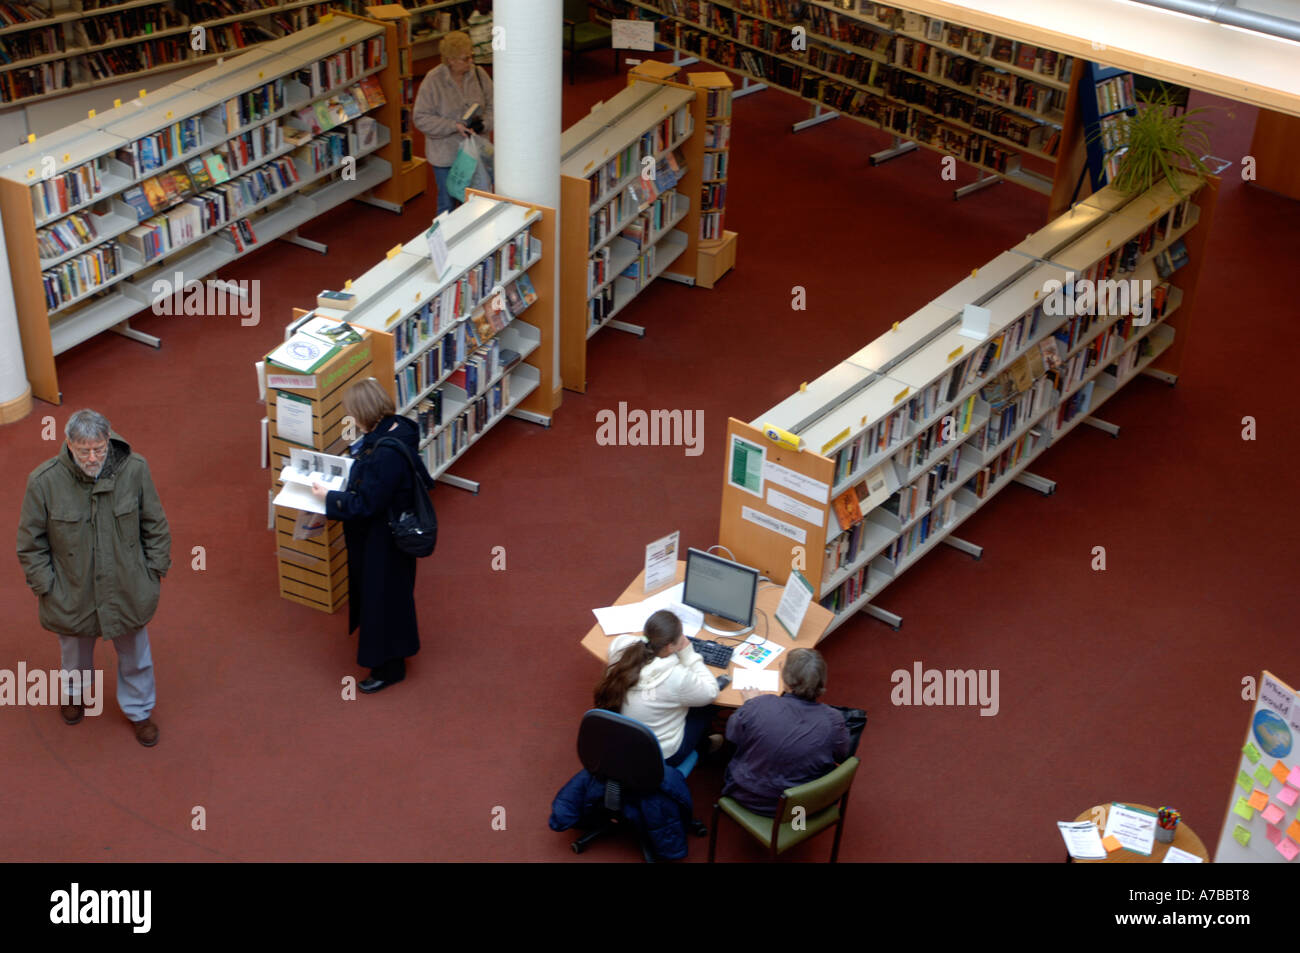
414	532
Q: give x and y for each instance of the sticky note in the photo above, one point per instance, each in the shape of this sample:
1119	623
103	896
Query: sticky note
1241	835
1288	795
1294	829
1258	800
1242	809
1274	834
1111	843
1251	752
1272	814
1287	848
1244	782
1264	776
1294	777
1280	771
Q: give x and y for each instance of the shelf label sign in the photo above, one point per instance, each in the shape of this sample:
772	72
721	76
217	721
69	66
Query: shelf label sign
771	523
745	466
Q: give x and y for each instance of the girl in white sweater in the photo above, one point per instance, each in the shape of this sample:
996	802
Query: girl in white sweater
659	679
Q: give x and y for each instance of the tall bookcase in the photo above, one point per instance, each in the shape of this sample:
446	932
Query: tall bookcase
411	177
1107	98
102	183
1005	108
312	567
717	248
450	372
910	435
617	238
71	46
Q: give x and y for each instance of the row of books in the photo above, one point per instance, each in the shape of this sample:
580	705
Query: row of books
432	364
252	106
717	135
600	306
15	12
480	414
1128	361
31	43
1115	94
475	374
950	429
158	149
642	268
326	113
426	325
713	196
81	274
66	190
717	104
129	24
711	226
715	165
668	132
119	61
984	478
342	67
609	175
72	232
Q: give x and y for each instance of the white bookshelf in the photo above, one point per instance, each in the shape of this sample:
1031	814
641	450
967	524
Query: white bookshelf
895	375
396	290
95	141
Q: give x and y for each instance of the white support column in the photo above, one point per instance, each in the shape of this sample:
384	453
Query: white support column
527	79
15	394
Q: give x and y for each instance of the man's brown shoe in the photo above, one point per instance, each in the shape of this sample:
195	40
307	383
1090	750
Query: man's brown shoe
72	714
146	732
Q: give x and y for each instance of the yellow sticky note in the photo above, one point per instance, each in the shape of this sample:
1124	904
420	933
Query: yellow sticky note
1258	800
1263	776
1111	844
1251	752
1243	809
1244	782
1293	831
1241	835
1280	771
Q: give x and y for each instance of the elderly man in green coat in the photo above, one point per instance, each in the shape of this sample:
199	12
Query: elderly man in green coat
94	544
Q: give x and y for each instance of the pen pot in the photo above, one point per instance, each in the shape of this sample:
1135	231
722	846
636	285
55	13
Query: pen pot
1165	835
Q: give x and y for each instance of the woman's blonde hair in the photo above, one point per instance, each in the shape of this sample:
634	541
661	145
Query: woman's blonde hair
455	45
367	403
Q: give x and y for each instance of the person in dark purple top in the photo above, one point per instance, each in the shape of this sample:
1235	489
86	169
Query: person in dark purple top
784	740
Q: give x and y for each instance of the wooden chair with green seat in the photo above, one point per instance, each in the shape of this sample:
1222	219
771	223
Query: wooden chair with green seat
581	33
824	802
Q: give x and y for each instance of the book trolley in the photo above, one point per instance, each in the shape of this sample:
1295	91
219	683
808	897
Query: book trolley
907	437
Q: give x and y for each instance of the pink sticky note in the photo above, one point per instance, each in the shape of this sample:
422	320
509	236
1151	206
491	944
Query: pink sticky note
1294	777
1274	834
1288	795
1272	814
1287	848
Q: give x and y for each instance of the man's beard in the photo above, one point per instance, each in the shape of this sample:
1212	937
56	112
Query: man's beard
93	470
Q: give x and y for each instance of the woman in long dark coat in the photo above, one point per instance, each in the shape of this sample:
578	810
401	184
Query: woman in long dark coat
381	578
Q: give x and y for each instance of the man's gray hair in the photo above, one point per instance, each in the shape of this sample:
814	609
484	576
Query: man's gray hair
86	426
805	674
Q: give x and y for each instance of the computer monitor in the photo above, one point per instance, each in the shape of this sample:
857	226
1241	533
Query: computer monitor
720	587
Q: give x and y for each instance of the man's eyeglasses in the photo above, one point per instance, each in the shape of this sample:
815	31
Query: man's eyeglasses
89	453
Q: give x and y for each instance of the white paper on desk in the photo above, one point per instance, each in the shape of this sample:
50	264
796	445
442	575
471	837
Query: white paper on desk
756	652
1177	855
617	620
765	680
1134	829
1081	839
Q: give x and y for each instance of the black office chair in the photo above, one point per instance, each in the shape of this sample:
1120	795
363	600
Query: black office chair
624	755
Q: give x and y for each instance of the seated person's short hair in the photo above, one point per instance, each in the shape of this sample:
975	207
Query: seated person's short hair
805	674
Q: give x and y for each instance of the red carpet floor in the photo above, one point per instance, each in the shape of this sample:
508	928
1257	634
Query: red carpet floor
1123	684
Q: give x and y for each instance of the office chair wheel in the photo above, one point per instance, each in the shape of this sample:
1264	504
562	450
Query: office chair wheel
577	848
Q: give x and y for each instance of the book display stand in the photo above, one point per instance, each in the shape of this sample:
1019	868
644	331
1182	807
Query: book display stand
1106	98
412	175
717	250
102	215
629	172
311	555
880	459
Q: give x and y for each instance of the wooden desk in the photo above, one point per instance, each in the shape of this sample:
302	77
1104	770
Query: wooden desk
811	632
1184	839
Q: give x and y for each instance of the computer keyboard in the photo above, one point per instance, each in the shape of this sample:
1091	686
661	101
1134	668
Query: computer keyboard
719	656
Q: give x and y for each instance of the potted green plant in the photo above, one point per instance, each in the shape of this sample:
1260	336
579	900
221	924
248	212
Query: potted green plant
1157	141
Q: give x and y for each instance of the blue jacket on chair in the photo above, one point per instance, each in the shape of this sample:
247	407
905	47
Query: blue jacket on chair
661	817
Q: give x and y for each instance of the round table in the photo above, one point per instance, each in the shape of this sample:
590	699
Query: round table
1184	839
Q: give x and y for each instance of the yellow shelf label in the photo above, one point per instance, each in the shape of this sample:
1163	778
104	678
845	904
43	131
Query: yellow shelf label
91	114
394	250
347	285
952	356
901	394
393	319
117	103
31	137
835	439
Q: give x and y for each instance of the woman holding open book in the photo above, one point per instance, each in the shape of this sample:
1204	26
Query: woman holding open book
443	104
381	578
